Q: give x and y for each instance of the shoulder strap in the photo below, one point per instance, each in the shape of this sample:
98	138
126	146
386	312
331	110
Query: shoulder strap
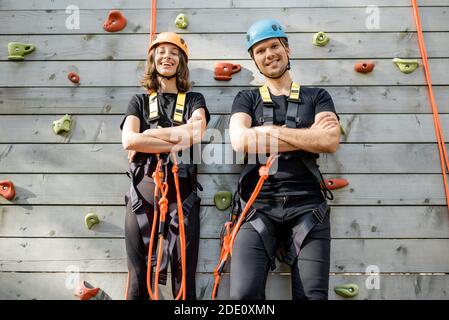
178	114
154	110
294	99
310	163
268	111
292	117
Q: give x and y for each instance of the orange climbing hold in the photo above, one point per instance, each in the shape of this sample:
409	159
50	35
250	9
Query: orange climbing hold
74	77
7	189
224	70
116	21
364	66
85	291
336	183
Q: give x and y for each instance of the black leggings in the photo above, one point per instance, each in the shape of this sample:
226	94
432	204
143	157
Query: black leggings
250	262
136	250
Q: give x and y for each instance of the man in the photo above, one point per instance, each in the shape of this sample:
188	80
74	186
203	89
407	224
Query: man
291	216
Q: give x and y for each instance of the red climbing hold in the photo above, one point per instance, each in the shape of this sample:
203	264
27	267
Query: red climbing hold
224	70
333	184
7	189
74	77
85	291
364	66
116	21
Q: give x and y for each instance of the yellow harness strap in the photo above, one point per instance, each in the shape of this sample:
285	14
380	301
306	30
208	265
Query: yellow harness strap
266	98
178	114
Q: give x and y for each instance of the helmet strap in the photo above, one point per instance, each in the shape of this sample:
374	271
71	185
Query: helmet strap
168	77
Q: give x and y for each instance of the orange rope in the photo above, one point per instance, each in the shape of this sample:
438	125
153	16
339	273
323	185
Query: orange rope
127	286
444	161
183	290
163	206
231	231
153	21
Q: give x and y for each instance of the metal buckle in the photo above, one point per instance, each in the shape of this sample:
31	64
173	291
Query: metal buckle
250	214
316	213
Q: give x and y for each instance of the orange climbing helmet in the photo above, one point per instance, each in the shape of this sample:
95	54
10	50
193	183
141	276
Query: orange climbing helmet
173	38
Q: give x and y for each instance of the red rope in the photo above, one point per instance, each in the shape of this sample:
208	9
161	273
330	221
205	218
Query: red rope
444	161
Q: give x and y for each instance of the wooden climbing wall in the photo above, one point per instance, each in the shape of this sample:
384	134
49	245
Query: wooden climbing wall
392	215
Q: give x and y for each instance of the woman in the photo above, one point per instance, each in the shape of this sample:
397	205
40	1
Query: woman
164	121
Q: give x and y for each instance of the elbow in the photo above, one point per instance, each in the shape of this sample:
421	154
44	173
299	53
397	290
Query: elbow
126	142
332	147
238	146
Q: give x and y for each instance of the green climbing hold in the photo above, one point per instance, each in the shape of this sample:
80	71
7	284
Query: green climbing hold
18	50
347	290
90	220
62	125
320	39
223	199
406	65
342	131
181	21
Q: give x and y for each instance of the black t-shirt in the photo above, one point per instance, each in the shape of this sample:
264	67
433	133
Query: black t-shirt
292	177
138	106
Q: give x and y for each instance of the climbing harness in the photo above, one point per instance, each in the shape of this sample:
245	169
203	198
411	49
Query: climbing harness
232	227
295	114
444	160
159	217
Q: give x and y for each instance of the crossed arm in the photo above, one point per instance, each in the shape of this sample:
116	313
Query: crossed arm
322	137
163	140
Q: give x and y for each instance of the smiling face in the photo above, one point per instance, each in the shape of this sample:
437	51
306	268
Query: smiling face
271	57
167	59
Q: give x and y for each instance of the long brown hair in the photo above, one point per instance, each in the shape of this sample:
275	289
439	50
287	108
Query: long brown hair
150	81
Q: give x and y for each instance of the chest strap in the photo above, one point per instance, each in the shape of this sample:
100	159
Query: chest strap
292	118
178	114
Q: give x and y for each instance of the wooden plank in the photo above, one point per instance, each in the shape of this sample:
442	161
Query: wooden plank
89	189
60	286
108	255
181	4
347	222
94	129
363	189
68	221
311	73
111	158
85	100
226	20
230	46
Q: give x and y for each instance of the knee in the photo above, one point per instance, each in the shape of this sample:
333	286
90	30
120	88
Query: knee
245	292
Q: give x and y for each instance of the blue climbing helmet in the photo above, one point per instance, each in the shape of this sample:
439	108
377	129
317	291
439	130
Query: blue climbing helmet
262	30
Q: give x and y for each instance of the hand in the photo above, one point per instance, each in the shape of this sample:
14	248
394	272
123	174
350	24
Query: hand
131	155
195	118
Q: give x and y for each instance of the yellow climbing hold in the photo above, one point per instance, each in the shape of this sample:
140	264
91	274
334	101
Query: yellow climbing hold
406	65
90	220
62	125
